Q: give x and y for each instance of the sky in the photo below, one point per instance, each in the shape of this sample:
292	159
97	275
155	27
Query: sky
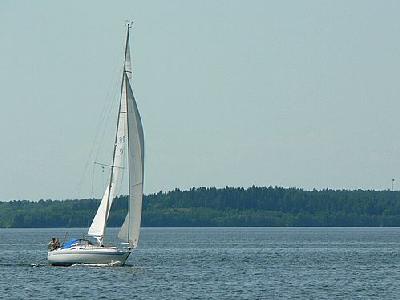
232	93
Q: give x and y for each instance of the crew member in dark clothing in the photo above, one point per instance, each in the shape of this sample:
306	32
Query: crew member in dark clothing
53	244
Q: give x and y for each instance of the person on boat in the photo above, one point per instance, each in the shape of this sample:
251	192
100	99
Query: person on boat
57	244
53	244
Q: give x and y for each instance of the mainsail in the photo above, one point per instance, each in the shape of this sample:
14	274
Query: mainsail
129	128
130	229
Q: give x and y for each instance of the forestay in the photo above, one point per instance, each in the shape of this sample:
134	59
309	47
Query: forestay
98	226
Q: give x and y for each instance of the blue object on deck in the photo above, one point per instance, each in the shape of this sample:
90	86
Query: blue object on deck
69	244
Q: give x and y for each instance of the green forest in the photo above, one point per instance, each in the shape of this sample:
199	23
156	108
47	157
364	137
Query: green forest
254	206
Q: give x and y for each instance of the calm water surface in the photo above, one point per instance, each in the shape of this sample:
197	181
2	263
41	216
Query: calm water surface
213	263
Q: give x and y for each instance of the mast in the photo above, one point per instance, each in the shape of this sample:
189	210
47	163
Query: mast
128	73
127	59
127	62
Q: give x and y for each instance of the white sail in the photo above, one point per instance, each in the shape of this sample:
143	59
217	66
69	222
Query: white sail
98	226
130	229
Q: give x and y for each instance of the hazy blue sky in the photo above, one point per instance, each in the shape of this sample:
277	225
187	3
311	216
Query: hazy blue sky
288	93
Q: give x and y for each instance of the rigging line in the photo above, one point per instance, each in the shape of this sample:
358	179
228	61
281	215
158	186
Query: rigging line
111	95
109	113
106	165
92	193
102	136
100	130
92	150
105	129
94	142
101	164
110	185
107	103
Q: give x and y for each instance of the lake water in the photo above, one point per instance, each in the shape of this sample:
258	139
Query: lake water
213	263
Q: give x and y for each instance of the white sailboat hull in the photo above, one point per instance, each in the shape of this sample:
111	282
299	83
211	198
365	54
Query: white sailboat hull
90	255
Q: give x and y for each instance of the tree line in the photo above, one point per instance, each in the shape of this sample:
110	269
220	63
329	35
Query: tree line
229	206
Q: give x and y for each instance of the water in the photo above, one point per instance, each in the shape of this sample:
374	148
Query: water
213	263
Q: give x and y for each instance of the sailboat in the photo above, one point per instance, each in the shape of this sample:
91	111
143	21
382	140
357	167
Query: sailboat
128	153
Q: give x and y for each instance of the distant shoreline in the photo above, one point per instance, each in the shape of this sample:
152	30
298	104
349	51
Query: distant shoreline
226	207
